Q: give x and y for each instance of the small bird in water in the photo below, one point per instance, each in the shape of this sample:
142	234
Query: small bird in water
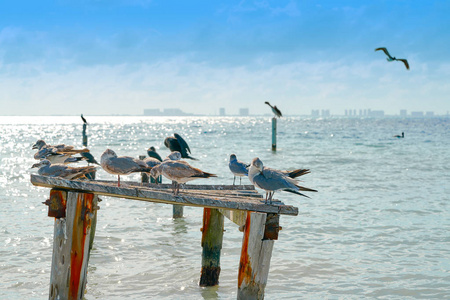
391	58
84	120
152	153
46	168
272	180
179	172
177	143
275	110
400	136
122	165
238	168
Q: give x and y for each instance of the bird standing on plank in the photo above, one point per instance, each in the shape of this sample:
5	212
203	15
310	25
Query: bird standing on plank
122	165
177	143
272	180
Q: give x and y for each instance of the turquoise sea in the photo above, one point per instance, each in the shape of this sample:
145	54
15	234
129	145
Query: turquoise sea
379	227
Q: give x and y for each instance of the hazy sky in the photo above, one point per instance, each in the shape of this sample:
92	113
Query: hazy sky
119	57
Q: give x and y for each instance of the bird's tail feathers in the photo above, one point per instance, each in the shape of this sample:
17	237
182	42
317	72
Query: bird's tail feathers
298	173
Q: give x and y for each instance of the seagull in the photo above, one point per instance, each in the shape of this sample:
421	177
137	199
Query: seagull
175	155
152	153
391	58
121	165
46	168
238	168
177	143
60	147
179	172
56	157
272	180
275	110
84	120
400	136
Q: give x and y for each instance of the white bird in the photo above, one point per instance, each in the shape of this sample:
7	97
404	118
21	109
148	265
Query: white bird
272	180
46	168
121	165
238	168
179	172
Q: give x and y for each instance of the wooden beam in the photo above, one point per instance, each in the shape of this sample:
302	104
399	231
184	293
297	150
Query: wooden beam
238	217
190	198
71	244
212	237
255	258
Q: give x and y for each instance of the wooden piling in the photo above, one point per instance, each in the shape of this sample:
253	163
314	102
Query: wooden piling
85	139
212	237
255	257
71	243
274	134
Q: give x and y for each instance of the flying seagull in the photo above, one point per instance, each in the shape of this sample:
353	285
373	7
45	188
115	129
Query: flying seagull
275	110
391	58
272	180
238	168
177	143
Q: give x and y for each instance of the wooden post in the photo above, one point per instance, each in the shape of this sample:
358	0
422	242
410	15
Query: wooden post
255	255
274	134
212	237
84	135
71	243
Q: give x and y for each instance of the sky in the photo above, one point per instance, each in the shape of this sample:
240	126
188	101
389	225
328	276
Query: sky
117	57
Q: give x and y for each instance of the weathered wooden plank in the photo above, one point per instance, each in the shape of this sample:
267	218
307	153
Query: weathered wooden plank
223	200
212	236
255	258
238	217
71	247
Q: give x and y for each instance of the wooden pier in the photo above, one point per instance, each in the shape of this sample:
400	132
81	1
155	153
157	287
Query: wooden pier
73	204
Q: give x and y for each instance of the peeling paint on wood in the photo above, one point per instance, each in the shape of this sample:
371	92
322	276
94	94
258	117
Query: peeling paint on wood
212	236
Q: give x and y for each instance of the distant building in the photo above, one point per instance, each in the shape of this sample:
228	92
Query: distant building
165	112
325	112
376	113
403	113
417	114
314	113
243	111
429	114
222	111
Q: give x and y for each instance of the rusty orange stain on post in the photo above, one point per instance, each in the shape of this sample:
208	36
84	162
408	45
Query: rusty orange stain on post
245	269
206	221
84	205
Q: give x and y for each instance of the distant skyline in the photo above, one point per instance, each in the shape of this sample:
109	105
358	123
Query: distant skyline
119	57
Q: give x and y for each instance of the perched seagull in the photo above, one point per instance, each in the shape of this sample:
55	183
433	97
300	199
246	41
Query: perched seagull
121	165
179	172
272	180
60	147
400	136
152	153
54	156
46	168
84	120
391	58
238	168
177	143
151	162
275	110
175	155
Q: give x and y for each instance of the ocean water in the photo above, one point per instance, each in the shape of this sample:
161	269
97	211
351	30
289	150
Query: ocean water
379	227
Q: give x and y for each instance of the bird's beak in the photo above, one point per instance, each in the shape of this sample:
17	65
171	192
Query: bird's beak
35	165
34	146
